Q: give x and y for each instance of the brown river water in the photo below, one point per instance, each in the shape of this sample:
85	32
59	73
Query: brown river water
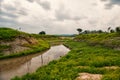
10	68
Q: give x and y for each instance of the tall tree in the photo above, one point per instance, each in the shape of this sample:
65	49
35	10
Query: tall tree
79	30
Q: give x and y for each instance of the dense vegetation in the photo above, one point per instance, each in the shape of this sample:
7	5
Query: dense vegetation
81	58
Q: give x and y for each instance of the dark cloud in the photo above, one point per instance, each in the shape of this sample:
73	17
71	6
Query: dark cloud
62	14
94	4
111	3
103	0
12	11
76	18
1	0
5	21
44	4
30	0
9	7
3	13
109	6
22	11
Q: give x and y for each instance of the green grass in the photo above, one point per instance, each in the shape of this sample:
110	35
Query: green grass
8	34
81	58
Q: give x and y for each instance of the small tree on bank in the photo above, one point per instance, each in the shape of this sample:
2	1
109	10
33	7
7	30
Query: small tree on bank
42	33
79	30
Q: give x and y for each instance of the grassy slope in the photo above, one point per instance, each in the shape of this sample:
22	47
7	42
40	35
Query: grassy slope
81	58
106	39
8	34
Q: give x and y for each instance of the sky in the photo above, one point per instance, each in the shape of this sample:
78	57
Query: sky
59	16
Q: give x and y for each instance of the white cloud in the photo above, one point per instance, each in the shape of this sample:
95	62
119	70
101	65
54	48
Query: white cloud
58	16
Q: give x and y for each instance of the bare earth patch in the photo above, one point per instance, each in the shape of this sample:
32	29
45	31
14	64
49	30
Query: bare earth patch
112	67
18	45
88	76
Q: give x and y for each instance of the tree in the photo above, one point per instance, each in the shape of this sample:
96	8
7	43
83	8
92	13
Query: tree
109	29
118	29
112	31
86	31
100	31
79	30
42	33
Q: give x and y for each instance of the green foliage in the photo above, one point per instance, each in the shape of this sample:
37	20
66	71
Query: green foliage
81	58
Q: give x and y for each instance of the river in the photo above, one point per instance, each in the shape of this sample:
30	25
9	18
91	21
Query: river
10	68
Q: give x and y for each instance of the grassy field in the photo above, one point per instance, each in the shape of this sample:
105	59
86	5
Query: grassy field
90	53
81	58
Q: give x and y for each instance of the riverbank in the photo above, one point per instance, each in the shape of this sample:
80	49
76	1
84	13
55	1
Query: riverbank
28	64
81	59
14	43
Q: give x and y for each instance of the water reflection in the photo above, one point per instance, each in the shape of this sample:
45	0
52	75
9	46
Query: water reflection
20	66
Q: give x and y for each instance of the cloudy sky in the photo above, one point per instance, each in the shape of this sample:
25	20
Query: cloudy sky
59	16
